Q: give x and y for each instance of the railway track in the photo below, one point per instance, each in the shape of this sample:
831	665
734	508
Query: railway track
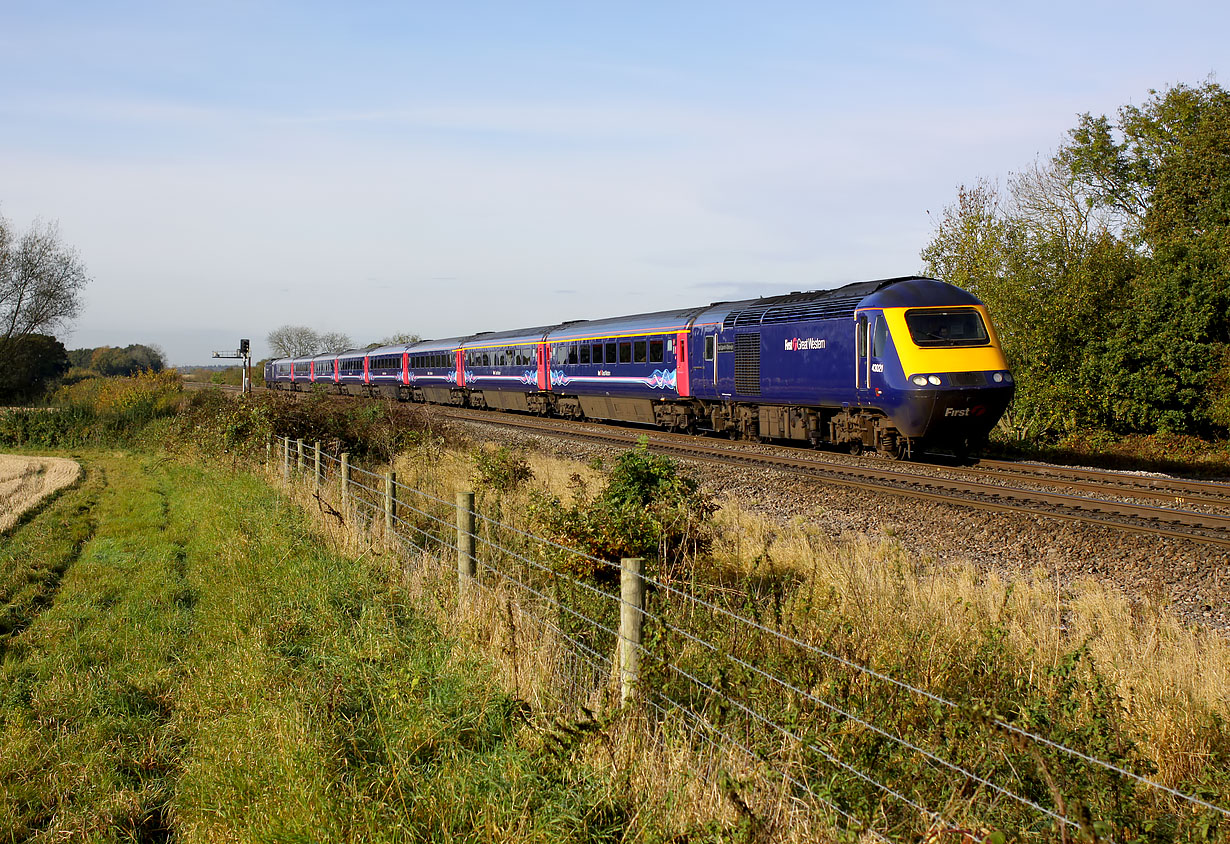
1197	511
1177	491
991	485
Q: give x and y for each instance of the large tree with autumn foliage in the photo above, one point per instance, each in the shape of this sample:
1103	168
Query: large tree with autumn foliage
1107	268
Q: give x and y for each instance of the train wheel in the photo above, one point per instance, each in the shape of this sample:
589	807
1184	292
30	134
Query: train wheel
856	447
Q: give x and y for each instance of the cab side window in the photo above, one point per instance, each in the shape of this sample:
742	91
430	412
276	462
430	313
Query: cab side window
879	338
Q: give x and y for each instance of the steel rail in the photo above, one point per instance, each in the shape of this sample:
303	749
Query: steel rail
1210	528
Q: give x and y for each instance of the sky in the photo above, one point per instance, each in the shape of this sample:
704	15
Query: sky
226	168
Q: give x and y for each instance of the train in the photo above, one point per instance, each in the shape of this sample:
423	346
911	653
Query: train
897	366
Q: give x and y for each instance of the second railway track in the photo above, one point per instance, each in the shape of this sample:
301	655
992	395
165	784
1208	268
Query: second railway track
946	485
1115	498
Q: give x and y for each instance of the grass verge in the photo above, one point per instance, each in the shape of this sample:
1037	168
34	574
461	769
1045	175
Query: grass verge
203	670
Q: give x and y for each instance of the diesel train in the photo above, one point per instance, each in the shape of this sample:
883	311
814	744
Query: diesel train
899	365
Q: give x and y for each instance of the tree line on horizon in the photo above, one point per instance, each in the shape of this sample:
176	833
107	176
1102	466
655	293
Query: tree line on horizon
298	341
1106	269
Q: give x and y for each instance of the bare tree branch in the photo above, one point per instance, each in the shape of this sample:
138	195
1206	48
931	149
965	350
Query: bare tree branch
332	342
293	341
41	280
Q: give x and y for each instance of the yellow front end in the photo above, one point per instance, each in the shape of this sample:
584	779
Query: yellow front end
916	359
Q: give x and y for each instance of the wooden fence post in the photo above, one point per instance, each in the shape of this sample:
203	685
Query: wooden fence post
467	565
286	459
316	473
390	505
299	464
269	454
631	625
346	484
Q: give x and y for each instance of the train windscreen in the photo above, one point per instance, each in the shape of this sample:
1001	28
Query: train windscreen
948	327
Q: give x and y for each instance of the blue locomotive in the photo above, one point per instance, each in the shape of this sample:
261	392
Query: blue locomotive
897	366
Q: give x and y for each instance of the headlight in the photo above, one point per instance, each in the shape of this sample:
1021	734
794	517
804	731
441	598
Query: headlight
920	380
998	377
934	379
1008	377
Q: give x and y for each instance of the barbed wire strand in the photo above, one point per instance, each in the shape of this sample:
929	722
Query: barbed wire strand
998	722
855	718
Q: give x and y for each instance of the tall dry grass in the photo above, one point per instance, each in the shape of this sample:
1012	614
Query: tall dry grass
1172	678
893	609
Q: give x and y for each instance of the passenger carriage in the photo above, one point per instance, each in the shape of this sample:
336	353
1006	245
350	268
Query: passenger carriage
893	365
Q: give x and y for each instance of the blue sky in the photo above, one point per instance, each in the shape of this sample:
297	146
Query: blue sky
436	168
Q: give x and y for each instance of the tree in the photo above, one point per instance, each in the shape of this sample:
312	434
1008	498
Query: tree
293	341
36	361
1107	269
1164	168
130	360
40	283
333	342
400	339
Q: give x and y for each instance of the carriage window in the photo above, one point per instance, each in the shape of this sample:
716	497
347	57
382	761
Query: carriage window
598	353
655	351
670	344
625	352
584	355
709	347
572	354
638	351
612	354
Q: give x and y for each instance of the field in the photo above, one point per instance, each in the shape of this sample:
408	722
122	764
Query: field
192	649
25	481
179	659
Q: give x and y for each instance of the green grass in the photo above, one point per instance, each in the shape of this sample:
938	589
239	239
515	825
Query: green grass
187	663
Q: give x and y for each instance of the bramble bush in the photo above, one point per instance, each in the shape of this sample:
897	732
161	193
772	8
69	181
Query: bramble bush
369	430
502	469
647	508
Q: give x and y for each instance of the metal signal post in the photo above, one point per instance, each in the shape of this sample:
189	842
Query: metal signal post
243	353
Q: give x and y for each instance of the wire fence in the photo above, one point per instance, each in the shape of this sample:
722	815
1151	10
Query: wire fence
794	727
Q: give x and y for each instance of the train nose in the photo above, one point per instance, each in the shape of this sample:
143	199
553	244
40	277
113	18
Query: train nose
954	414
